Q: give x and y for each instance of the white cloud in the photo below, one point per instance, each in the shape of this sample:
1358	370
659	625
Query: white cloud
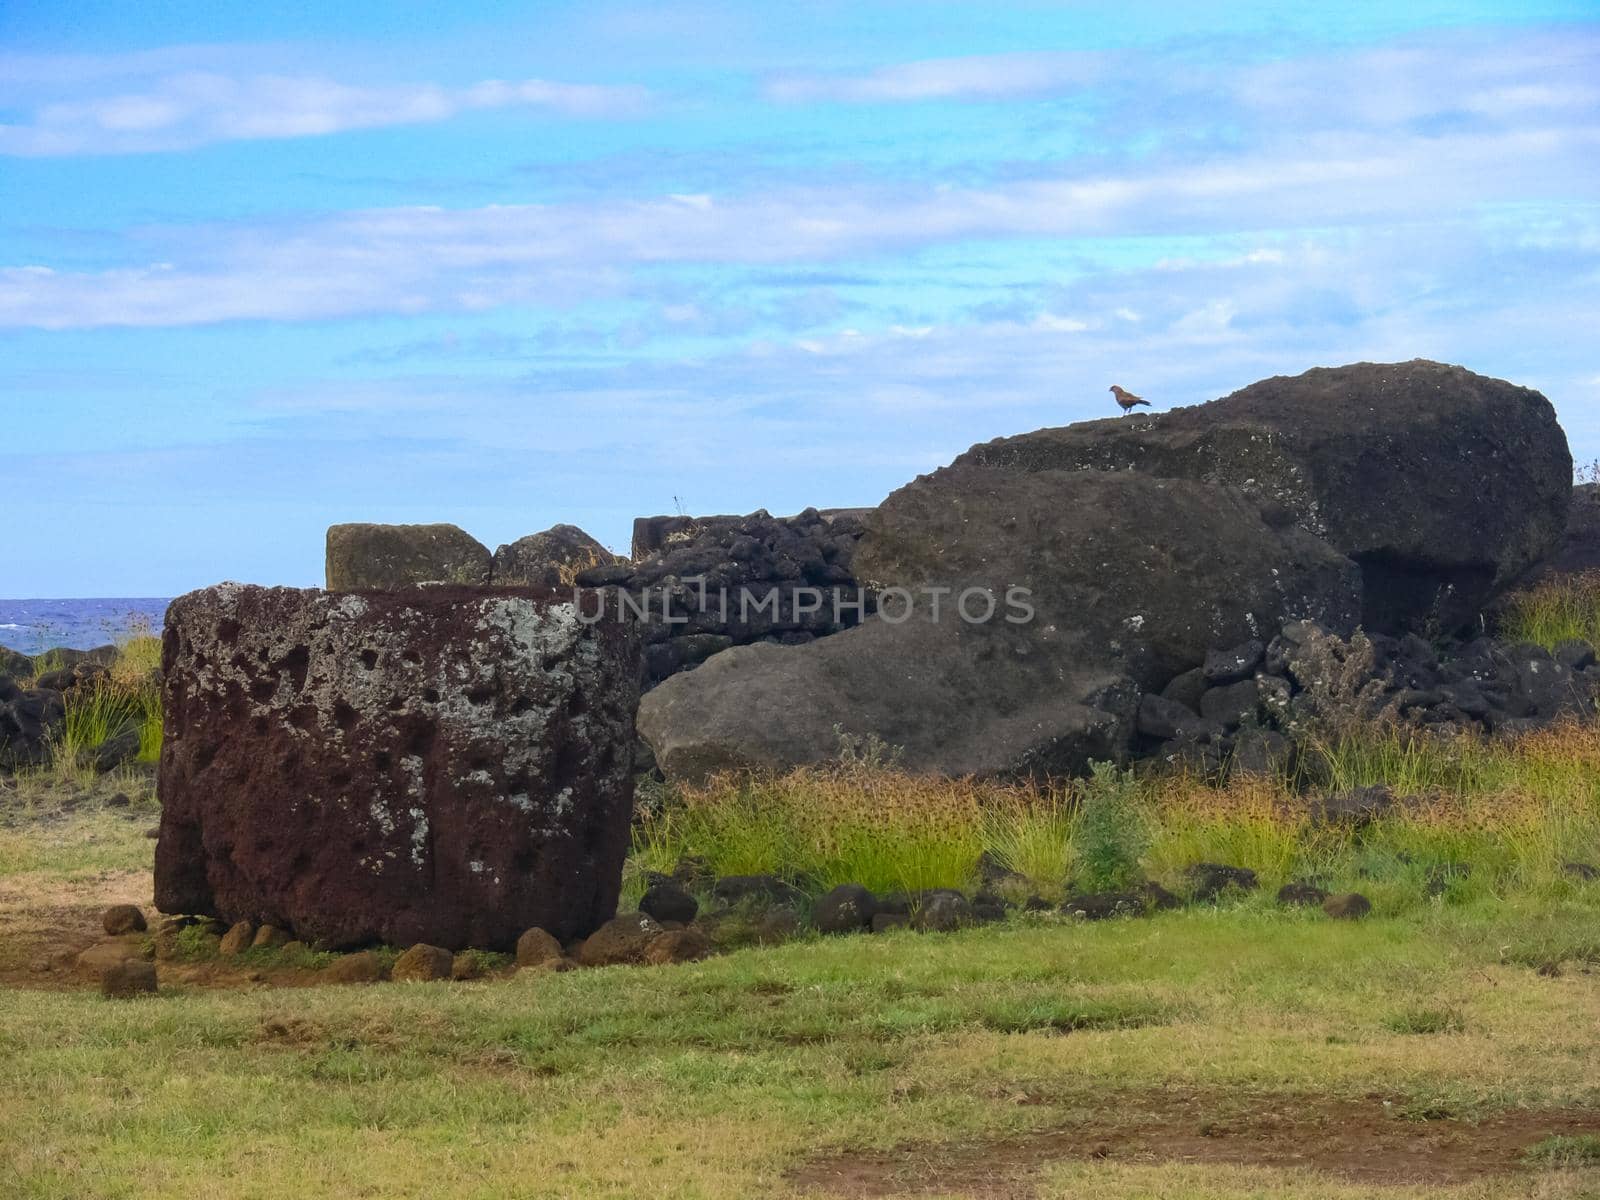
182	110
429	259
971	77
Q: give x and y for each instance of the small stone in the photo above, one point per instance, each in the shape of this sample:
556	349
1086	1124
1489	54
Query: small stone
1299	893
465	966
153	833
536	947
295	949
677	946
1102	905
1212	879
885	921
239	938
623	939
98	957
122	918
1230	666
1582	872
269	937
943	911
848	908
128	978
1351	906
422	964
669	902
120	800
365	967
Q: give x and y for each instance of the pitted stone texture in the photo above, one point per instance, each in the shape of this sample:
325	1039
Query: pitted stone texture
440	765
397	556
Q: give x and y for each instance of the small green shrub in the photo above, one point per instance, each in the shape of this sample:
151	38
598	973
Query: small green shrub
1111	833
195	943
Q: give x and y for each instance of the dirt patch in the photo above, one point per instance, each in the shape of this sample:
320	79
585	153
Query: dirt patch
1371	1141
46	920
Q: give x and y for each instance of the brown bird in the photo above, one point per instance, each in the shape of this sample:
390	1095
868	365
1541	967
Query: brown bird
1127	399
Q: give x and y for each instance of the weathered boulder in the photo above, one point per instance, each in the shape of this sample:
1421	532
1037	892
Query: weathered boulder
14	663
669	902
122	918
383	557
363	967
28	717
551	559
127	979
1096	586
1445	486
536	947
423	964
440	765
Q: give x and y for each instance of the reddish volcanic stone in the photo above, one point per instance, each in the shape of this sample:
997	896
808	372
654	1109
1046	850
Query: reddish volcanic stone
442	764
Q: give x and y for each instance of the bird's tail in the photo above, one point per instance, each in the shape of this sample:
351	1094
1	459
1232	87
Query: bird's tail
1146	403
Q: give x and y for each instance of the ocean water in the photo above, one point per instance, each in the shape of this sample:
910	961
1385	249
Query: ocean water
34	626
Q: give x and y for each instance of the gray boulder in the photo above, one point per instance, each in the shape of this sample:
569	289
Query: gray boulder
551	559
1128	581
385	557
1445	486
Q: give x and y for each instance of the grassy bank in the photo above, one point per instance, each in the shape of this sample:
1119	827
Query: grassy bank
1480	819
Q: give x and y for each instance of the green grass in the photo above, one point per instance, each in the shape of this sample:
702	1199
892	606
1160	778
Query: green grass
1479	819
711	1080
1582	1150
1566	608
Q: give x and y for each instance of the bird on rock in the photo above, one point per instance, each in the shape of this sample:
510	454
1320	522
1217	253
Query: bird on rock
1127	399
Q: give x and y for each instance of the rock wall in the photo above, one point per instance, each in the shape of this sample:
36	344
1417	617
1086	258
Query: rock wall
717	582
440	765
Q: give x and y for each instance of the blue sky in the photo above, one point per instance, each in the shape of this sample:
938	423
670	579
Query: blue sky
268	267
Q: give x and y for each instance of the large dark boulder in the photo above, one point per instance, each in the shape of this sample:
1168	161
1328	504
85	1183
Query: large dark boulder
28	720
1445	486
19	666
383	557
1130	580
440	765
551	559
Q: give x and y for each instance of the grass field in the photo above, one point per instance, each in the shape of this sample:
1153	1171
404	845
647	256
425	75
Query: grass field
1241	1050
1444	1046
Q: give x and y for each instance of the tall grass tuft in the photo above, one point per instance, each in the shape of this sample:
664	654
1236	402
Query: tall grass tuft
1561	609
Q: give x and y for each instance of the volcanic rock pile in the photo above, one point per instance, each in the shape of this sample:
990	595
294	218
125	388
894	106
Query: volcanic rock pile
1399	498
712	583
